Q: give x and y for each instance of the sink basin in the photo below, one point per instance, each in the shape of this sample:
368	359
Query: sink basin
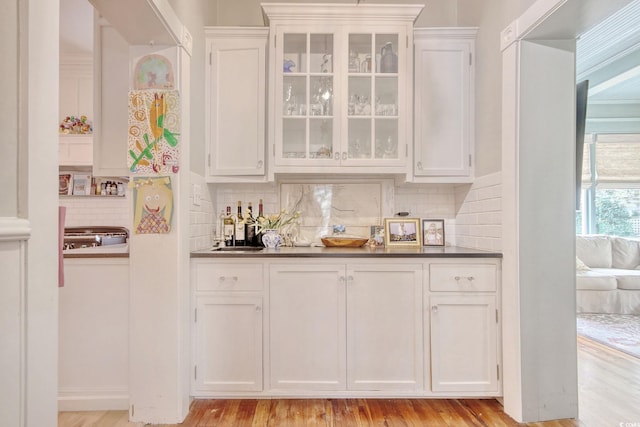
238	249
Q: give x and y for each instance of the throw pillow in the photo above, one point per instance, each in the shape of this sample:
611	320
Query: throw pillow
626	253
594	250
581	266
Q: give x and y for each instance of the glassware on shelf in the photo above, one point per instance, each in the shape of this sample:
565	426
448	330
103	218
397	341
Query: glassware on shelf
365	67
354	63
388	59
290	104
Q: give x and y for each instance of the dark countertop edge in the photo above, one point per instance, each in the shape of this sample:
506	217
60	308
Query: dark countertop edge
96	255
358	253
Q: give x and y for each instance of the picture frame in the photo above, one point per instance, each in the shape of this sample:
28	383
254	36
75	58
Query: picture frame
402	232
377	234
81	184
433	232
65	184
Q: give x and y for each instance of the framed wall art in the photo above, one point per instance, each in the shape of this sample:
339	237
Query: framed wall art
433	232
402	232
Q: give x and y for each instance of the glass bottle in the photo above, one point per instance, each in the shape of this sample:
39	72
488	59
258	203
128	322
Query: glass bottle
229	228
249	227
240	237
354	64
388	59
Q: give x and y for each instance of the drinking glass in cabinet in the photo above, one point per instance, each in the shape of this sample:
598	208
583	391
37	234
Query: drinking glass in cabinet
386	101
360	53
321	102
359	103
359	139
386	131
320	137
294	101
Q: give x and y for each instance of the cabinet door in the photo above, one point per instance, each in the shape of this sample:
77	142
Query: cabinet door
306	131
236	91
377	73
384	327
464	343
76	150
111	114
228	344
307	327
443	119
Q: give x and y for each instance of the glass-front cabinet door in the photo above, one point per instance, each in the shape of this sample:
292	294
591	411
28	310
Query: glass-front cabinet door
305	91
373	105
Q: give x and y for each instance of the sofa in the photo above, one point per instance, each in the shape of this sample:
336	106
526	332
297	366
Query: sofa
607	274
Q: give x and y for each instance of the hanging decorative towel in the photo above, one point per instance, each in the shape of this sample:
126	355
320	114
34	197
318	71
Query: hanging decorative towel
152	205
154	131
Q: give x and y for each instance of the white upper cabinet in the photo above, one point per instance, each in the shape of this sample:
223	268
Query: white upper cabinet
340	87
76	99
235	104
444	100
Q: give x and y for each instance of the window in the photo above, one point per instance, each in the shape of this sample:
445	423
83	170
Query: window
610	186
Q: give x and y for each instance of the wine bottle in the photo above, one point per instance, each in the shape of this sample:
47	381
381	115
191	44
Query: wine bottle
250	227
240	230
259	219
229	229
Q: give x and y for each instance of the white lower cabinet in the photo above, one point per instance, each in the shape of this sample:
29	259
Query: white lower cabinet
228	327
307	327
360	327
384	327
463	323
229	350
93	335
353	326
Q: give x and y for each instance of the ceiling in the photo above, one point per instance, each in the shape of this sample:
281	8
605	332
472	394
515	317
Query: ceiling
609	57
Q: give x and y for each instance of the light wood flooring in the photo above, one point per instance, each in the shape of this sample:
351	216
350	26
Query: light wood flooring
609	392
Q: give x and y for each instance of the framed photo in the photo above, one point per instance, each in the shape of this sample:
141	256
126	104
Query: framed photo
433	232
81	184
377	234
65	184
402	232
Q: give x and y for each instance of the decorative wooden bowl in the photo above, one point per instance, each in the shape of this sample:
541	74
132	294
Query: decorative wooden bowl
344	242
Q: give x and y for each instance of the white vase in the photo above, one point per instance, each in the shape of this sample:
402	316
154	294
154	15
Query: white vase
271	238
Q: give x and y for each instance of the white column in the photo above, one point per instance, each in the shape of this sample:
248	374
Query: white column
538	164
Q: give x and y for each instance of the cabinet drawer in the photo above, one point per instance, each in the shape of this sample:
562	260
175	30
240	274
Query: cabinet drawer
229	277
463	277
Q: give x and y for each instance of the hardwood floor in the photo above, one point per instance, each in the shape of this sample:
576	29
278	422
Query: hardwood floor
609	392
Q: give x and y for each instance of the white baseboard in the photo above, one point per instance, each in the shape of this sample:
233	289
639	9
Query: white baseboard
93	400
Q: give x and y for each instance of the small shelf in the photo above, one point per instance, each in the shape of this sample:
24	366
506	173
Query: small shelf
94	196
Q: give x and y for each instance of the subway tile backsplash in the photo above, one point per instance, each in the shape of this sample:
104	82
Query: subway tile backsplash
472	213
98	211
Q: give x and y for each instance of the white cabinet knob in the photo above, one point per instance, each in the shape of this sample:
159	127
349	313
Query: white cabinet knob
260	163
419	165
336	156
344	155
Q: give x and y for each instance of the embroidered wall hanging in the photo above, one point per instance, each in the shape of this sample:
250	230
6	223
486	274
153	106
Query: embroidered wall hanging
152	205
154	131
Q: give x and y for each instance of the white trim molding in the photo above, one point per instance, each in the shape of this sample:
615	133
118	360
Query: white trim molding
14	229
